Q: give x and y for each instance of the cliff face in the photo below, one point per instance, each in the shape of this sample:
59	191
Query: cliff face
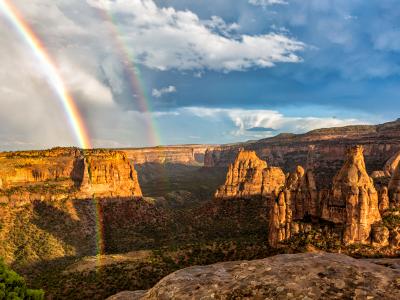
353	200
53	202
249	177
184	154
109	175
66	173
326	146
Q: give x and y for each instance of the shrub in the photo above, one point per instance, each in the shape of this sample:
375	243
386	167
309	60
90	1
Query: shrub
13	286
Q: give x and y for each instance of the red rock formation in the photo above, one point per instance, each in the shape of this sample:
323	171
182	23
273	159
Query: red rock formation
298	200
66	173
303	193
391	164
280	220
249	176
394	188
353	200
383	200
109	175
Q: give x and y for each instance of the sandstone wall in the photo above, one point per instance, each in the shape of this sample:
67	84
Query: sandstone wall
66	173
185	154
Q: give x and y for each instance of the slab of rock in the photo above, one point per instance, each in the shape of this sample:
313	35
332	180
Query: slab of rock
291	276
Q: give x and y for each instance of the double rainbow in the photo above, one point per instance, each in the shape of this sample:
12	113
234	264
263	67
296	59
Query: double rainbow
68	102
75	119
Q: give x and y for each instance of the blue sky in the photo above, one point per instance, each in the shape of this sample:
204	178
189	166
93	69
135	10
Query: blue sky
215	71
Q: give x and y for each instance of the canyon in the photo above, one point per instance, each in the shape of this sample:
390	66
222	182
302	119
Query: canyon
152	211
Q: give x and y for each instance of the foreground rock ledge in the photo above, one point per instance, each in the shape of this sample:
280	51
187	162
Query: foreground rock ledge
289	276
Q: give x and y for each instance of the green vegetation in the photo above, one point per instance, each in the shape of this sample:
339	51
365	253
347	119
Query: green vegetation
319	238
13	286
100	281
392	219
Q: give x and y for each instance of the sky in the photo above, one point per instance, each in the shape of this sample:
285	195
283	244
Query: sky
161	72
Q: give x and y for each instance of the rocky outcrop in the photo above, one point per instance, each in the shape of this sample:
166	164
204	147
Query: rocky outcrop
327	146
303	192
297	201
391	164
353	200
380	235
244	177
394	188
249	177
63	173
293	276
383	200
280	220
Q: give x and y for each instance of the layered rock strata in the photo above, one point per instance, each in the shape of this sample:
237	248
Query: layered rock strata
180	154
66	173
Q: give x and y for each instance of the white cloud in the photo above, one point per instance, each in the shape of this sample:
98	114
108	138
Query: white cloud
165	38
267	2
158	93
244	119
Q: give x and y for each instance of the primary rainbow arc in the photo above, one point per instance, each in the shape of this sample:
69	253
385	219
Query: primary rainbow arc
75	119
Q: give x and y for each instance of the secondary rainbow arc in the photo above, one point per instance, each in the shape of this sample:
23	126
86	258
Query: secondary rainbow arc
133	71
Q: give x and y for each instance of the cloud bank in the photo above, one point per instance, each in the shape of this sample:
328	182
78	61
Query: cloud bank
166	90
195	60
165	38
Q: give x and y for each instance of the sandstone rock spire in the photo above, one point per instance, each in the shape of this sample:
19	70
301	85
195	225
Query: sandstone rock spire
394	188
298	200
353	200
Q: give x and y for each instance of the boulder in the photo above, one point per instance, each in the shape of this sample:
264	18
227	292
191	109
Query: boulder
380	235
289	276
